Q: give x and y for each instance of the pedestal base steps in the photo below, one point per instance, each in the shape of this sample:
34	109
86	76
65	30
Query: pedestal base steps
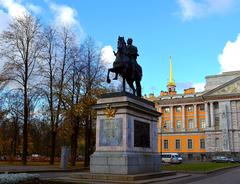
124	162
117	178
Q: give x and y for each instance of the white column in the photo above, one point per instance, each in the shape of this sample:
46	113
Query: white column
160	126
206	115
183	117
211	114
195	116
171	118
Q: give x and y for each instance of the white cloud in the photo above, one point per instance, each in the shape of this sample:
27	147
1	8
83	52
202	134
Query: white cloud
199	87
8	10
107	55
64	14
191	9
229	59
14	8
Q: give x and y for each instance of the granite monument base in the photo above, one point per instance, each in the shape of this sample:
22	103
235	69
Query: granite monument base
124	162
126	136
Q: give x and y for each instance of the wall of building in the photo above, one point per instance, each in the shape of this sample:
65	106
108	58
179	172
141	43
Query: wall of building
221	117
171	132
214	81
225	139
195	137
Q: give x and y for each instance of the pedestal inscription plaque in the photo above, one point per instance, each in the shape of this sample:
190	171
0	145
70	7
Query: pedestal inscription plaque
141	134
110	132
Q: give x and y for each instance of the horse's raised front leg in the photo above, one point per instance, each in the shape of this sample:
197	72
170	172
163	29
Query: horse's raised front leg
116	76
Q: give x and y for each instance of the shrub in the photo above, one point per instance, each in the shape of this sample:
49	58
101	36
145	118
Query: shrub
17	178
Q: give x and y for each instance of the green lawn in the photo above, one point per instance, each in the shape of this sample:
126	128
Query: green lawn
198	166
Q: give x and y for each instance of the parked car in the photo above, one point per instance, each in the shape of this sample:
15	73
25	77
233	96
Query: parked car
173	158
219	159
234	159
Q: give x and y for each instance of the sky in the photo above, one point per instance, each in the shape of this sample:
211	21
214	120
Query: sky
201	36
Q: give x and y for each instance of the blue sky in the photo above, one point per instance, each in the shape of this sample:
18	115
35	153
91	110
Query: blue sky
202	36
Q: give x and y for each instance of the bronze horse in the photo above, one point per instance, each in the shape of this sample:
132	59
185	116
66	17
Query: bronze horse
124	67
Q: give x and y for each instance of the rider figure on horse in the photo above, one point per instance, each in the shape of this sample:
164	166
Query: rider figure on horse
126	65
132	53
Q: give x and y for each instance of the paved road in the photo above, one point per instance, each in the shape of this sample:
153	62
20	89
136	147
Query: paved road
231	176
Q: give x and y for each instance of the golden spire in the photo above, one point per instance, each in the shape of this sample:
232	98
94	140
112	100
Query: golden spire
171	81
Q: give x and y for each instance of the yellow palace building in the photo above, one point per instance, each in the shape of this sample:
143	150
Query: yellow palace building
199	125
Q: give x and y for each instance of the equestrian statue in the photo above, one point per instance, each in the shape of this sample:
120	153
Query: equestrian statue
126	66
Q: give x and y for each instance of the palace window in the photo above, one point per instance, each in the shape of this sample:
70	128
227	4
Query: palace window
202	143
178	109
201	107
217	143
202	123
189	108
178	124
167	110
190	143
190	123
165	144
216	123
166	124
215	105
178	144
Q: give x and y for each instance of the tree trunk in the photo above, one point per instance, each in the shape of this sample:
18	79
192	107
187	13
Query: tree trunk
53	147
25	134
25	121
87	144
74	143
15	137
90	136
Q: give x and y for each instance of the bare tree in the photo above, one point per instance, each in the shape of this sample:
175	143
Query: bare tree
63	65
21	47
92	87
85	83
48	72
72	98
13	109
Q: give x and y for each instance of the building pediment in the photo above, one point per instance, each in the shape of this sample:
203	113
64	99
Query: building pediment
228	88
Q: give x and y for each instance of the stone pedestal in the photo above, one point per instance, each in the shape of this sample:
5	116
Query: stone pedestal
126	135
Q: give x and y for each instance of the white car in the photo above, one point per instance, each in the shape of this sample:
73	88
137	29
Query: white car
173	158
